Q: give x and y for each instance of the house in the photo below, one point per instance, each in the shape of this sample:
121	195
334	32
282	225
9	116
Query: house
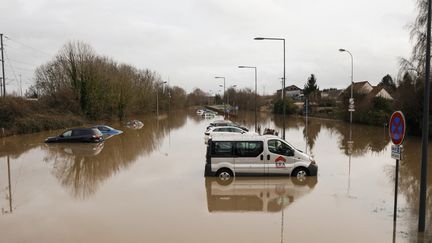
291	91
364	87
331	94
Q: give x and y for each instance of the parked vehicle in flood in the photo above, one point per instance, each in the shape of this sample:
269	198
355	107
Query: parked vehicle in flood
222	123
256	156
78	135
134	124
107	130
225	131
208	115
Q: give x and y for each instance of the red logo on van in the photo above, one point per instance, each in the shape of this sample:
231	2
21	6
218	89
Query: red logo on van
280	162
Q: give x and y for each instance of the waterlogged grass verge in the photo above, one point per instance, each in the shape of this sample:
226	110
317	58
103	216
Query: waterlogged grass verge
20	116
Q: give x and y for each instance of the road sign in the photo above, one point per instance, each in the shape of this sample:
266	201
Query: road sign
397	127
396	151
351	105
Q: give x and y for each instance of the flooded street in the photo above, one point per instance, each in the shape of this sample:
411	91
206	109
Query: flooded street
148	185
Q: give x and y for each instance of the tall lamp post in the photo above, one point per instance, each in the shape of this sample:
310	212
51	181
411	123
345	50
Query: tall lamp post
255	100
351	102
350	109
283	90
425	127
218	77
157	97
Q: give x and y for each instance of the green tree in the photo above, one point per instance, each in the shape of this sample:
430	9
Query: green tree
310	86
290	107
387	82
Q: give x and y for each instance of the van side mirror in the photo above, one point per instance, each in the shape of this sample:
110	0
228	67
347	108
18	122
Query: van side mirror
290	152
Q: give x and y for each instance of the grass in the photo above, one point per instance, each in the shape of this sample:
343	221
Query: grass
19	116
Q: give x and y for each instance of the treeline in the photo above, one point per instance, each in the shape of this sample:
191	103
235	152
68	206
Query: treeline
82	82
243	98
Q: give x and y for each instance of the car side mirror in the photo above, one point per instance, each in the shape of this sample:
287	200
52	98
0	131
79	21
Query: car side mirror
61	136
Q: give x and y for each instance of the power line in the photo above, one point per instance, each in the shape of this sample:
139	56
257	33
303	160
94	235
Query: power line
21	62
30	47
10	65
24	69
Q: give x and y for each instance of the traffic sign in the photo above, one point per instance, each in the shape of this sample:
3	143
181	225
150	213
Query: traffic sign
396	152
351	105
397	127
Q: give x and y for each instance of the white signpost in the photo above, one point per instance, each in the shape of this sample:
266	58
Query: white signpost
396	151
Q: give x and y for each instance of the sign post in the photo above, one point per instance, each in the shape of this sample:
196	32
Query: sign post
397	127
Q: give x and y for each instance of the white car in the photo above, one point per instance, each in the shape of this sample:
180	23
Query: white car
200	112
208	115
225	131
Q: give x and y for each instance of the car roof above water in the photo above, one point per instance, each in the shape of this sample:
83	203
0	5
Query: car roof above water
244	138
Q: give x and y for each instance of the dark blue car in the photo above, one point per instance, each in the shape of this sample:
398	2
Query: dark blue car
78	135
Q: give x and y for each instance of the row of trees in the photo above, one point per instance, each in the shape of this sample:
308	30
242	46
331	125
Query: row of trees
243	98
80	81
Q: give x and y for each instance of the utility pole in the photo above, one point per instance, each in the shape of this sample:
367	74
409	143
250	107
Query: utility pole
3	70
425	128
20	84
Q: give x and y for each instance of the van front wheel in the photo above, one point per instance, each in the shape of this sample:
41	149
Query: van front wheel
225	176
299	175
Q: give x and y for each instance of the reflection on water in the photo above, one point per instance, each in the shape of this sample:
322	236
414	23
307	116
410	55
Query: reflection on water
36	176
255	194
81	168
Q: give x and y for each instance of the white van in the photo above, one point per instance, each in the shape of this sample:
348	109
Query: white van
256	156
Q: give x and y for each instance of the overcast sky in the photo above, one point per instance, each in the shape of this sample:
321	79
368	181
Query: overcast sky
188	42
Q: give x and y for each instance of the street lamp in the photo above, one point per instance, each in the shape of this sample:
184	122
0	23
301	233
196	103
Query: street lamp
157	97
217	77
255	92
350	109
351	102
283	90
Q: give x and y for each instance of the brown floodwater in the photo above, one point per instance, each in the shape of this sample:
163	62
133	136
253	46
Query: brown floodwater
147	185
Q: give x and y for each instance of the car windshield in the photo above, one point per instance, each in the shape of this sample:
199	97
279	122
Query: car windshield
97	132
67	133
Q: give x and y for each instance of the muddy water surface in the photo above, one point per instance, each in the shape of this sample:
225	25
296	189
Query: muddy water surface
147	185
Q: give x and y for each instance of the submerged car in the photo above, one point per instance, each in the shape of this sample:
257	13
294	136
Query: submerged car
107	130
78	135
225	131
135	124
222	123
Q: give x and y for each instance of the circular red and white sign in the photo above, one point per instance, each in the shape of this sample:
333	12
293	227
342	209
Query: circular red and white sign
397	127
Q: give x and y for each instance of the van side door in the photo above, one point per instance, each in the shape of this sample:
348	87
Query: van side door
280	157
249	158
